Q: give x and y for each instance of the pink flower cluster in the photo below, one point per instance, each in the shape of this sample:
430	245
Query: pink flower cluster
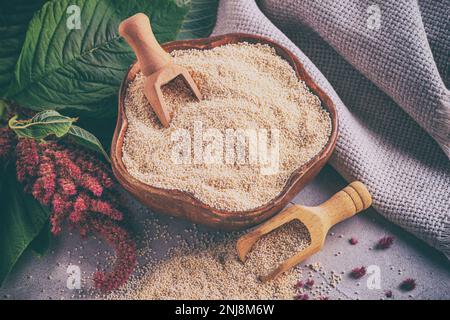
79	189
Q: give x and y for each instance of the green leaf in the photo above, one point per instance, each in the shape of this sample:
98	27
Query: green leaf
21	220
42	125
102	129
200	20
3	110
51	122
78	70
14	18
87	140
42	241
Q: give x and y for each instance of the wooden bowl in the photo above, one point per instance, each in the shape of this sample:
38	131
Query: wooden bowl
182	204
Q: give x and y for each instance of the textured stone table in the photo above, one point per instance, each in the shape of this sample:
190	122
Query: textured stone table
45	277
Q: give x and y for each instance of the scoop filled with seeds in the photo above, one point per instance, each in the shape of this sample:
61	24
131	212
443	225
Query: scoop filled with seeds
313	224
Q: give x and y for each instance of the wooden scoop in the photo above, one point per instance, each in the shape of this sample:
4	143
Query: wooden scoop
318	220
156	64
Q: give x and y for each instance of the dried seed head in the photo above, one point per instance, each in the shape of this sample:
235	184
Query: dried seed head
309	284
358	272
408	284
385	243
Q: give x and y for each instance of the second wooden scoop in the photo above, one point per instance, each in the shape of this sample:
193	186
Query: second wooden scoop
156	64
318	220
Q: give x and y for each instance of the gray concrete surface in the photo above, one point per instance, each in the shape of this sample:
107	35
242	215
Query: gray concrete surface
45	277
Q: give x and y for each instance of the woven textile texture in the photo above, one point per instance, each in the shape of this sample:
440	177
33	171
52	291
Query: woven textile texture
386	66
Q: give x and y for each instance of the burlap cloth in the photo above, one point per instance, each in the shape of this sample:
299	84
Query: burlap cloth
386	66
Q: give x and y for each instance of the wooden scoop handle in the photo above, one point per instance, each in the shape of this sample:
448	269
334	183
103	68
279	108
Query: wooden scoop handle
138	33
351	200
318	220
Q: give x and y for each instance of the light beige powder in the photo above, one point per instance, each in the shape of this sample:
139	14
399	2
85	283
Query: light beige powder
243	86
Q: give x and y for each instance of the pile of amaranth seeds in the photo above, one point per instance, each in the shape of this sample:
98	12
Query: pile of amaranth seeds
244	86
203	264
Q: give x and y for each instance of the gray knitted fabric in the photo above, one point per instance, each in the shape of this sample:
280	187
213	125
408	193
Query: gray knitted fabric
386	74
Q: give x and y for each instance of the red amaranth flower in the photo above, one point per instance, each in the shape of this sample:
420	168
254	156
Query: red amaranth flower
67	186
385	243
44	187
408	284
86	161
358	272
7	143
353	241
78	188
28	154
92	184
125	249
105	208
60	206
79	209
66	167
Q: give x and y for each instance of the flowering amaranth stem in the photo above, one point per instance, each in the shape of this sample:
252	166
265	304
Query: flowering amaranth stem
126	254
79	189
